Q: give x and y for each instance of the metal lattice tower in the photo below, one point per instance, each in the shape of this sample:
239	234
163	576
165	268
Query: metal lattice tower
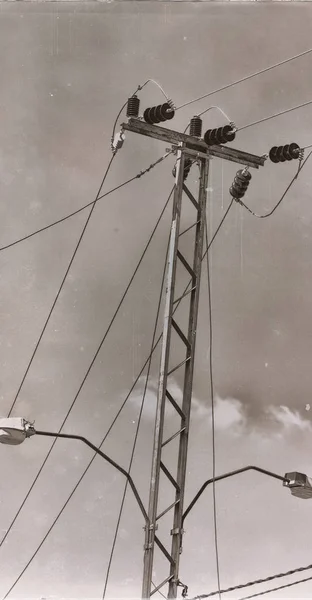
182	411
187	147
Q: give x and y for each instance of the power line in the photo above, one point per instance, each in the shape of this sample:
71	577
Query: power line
72	214
60	288
255	582
283	196
138	424
282	112
219	227
225	87
72	404
281	587
212	413
139	88
217	108
104	438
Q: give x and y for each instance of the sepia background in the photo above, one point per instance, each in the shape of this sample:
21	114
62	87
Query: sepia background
66	69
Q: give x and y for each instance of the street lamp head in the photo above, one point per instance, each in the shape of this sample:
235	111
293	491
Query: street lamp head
14	430
299	484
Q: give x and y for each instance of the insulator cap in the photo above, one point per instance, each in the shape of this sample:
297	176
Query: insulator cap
222	135
196	126
282	153
240	184
133	106
187	167
158	114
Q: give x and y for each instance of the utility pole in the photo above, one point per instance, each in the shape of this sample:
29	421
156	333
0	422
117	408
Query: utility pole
187	147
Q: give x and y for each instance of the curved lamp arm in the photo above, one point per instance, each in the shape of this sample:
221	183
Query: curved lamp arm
225	476
14	430
100	453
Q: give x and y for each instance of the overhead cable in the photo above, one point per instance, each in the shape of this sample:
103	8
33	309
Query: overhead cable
138	424
225	87
104	438
71	406
254	582
281	587
282	112
60	289
282	197
75	212
215	521
139	88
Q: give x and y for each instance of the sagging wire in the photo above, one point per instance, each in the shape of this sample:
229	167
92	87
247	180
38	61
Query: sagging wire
118	139
300	167
110	428
254	582
138	424
229	85
212	410
72	214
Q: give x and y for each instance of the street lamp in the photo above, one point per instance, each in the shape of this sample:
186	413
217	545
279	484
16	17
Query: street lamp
14	430
299	484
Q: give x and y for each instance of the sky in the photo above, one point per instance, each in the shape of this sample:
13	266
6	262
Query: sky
65	76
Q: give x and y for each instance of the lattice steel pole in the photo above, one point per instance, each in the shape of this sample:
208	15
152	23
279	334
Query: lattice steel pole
163	375
177	531
190	147
164	396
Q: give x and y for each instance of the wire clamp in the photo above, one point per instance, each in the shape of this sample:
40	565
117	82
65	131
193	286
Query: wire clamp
185	588
151	527
176	531
117	141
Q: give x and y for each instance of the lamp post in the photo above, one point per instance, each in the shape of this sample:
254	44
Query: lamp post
299	484
14	430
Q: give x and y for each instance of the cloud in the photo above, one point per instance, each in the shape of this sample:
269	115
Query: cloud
287	418
231	415
229	412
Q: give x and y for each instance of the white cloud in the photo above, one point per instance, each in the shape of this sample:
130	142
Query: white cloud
229	412
288	418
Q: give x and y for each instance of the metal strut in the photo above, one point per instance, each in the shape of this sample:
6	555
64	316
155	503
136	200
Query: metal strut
181	411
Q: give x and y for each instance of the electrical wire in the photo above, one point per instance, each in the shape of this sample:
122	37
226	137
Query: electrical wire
219	226
255	582
72	214
103	440
217	108
225	87
138	89
206	110
282	112
281	199
138	424
71	406
281	587
155	83
60	289
215	521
